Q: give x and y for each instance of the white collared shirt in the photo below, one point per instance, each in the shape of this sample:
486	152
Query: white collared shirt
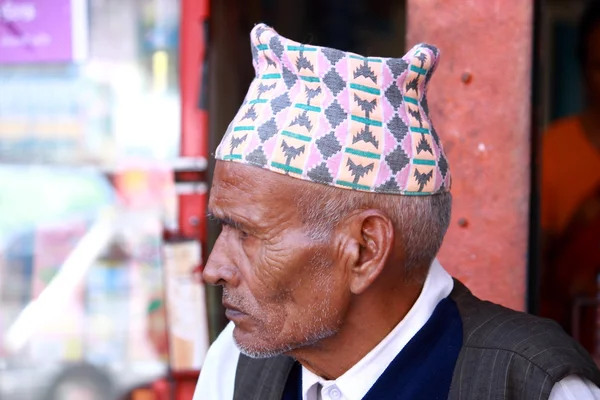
217	378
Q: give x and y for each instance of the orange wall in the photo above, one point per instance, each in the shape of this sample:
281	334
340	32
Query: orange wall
480	105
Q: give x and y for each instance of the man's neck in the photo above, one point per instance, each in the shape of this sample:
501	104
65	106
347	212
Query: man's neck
367	325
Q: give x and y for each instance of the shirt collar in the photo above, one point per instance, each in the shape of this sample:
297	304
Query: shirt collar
356	382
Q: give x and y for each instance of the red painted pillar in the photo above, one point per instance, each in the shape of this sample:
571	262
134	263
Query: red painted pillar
192	59
193	54
189	173
479	100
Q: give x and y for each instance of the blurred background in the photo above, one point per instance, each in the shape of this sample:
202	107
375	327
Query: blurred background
110	111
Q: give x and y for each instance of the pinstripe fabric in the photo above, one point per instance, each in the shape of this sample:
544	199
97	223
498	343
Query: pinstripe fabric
261	379
506	355
512	355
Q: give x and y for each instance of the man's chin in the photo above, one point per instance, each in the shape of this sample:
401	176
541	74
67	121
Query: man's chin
259	352
249	346
254	345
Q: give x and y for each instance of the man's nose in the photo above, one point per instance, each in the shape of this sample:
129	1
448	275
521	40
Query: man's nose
219	270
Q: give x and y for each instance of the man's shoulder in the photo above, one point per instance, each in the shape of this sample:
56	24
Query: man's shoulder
490	324
542	342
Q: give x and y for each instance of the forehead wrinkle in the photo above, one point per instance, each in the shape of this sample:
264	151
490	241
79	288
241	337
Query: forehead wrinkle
262	197
225	211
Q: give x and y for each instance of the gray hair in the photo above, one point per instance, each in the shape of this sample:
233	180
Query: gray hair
420	221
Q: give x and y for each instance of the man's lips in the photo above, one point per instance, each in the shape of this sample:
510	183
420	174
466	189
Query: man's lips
232	311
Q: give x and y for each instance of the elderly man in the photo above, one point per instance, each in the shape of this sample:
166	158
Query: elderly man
333	191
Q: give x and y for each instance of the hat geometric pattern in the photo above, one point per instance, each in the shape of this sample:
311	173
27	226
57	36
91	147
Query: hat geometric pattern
338	118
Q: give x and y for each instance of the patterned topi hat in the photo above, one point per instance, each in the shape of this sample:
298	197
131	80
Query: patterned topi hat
338	118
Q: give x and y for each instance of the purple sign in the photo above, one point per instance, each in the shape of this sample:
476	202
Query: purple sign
38	31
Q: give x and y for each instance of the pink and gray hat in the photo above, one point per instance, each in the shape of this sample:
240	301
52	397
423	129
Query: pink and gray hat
338	118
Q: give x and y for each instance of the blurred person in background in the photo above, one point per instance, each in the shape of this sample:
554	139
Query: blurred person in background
570	204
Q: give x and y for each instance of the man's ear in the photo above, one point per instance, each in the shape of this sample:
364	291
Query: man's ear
365	242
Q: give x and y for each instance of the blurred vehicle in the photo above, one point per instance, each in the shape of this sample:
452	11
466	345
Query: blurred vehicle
81	287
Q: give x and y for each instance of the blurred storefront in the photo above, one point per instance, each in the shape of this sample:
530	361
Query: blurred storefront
99	293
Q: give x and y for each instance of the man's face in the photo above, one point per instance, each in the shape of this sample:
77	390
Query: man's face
280	287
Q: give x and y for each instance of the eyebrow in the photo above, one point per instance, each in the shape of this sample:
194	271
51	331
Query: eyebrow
227	221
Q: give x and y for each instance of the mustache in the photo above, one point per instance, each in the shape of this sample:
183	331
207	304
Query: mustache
233	301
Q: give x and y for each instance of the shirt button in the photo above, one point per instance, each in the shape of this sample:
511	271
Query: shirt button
335	393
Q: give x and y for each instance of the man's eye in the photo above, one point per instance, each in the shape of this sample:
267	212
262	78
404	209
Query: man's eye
243	235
